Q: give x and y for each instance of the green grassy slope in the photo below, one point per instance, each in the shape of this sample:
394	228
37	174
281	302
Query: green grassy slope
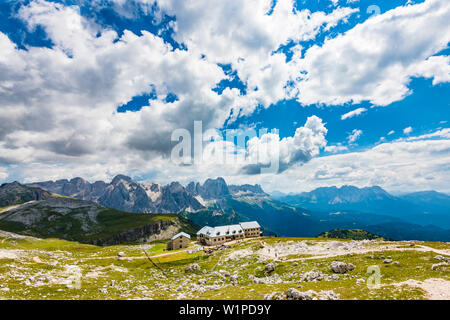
41	269
84	222
354	234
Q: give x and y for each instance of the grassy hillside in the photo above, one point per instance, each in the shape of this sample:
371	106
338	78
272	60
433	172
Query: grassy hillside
15	193
35	212
49	269
86	222
353	234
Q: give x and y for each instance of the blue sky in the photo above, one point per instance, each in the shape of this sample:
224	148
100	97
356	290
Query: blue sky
286	115
96	88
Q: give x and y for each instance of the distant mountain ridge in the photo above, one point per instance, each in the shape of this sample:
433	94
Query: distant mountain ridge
15	193
211	189
123	193
344	194
428	207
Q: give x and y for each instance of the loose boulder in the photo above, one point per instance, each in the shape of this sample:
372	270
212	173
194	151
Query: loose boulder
192	267
441	258
270	267
313	276
294	294
341	267
439	265
234	279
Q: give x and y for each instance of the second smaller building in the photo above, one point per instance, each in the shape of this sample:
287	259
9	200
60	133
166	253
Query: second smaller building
179	241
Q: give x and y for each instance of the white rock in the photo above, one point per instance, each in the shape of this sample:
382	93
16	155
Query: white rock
294	294
192	267
341	267
270	267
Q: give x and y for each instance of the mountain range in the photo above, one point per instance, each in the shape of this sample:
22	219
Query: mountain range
123	193
421	216
423	208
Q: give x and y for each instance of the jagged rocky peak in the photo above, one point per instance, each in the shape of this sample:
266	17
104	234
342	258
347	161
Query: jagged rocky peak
176	187
125	194
99	183
76	188
216	188
153	190
193	188
14	184
15	193
246	189
152	186
79	181
7	187
52	186
121	178
175	198
98	187
211	189
18	187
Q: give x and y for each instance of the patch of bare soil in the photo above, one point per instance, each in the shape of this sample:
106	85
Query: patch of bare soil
328	249
10	254
435	288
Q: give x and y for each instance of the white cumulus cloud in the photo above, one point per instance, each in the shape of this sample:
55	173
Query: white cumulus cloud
375	60
58	105
356	133
353	113
407	130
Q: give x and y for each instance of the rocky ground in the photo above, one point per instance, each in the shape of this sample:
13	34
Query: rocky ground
265	268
